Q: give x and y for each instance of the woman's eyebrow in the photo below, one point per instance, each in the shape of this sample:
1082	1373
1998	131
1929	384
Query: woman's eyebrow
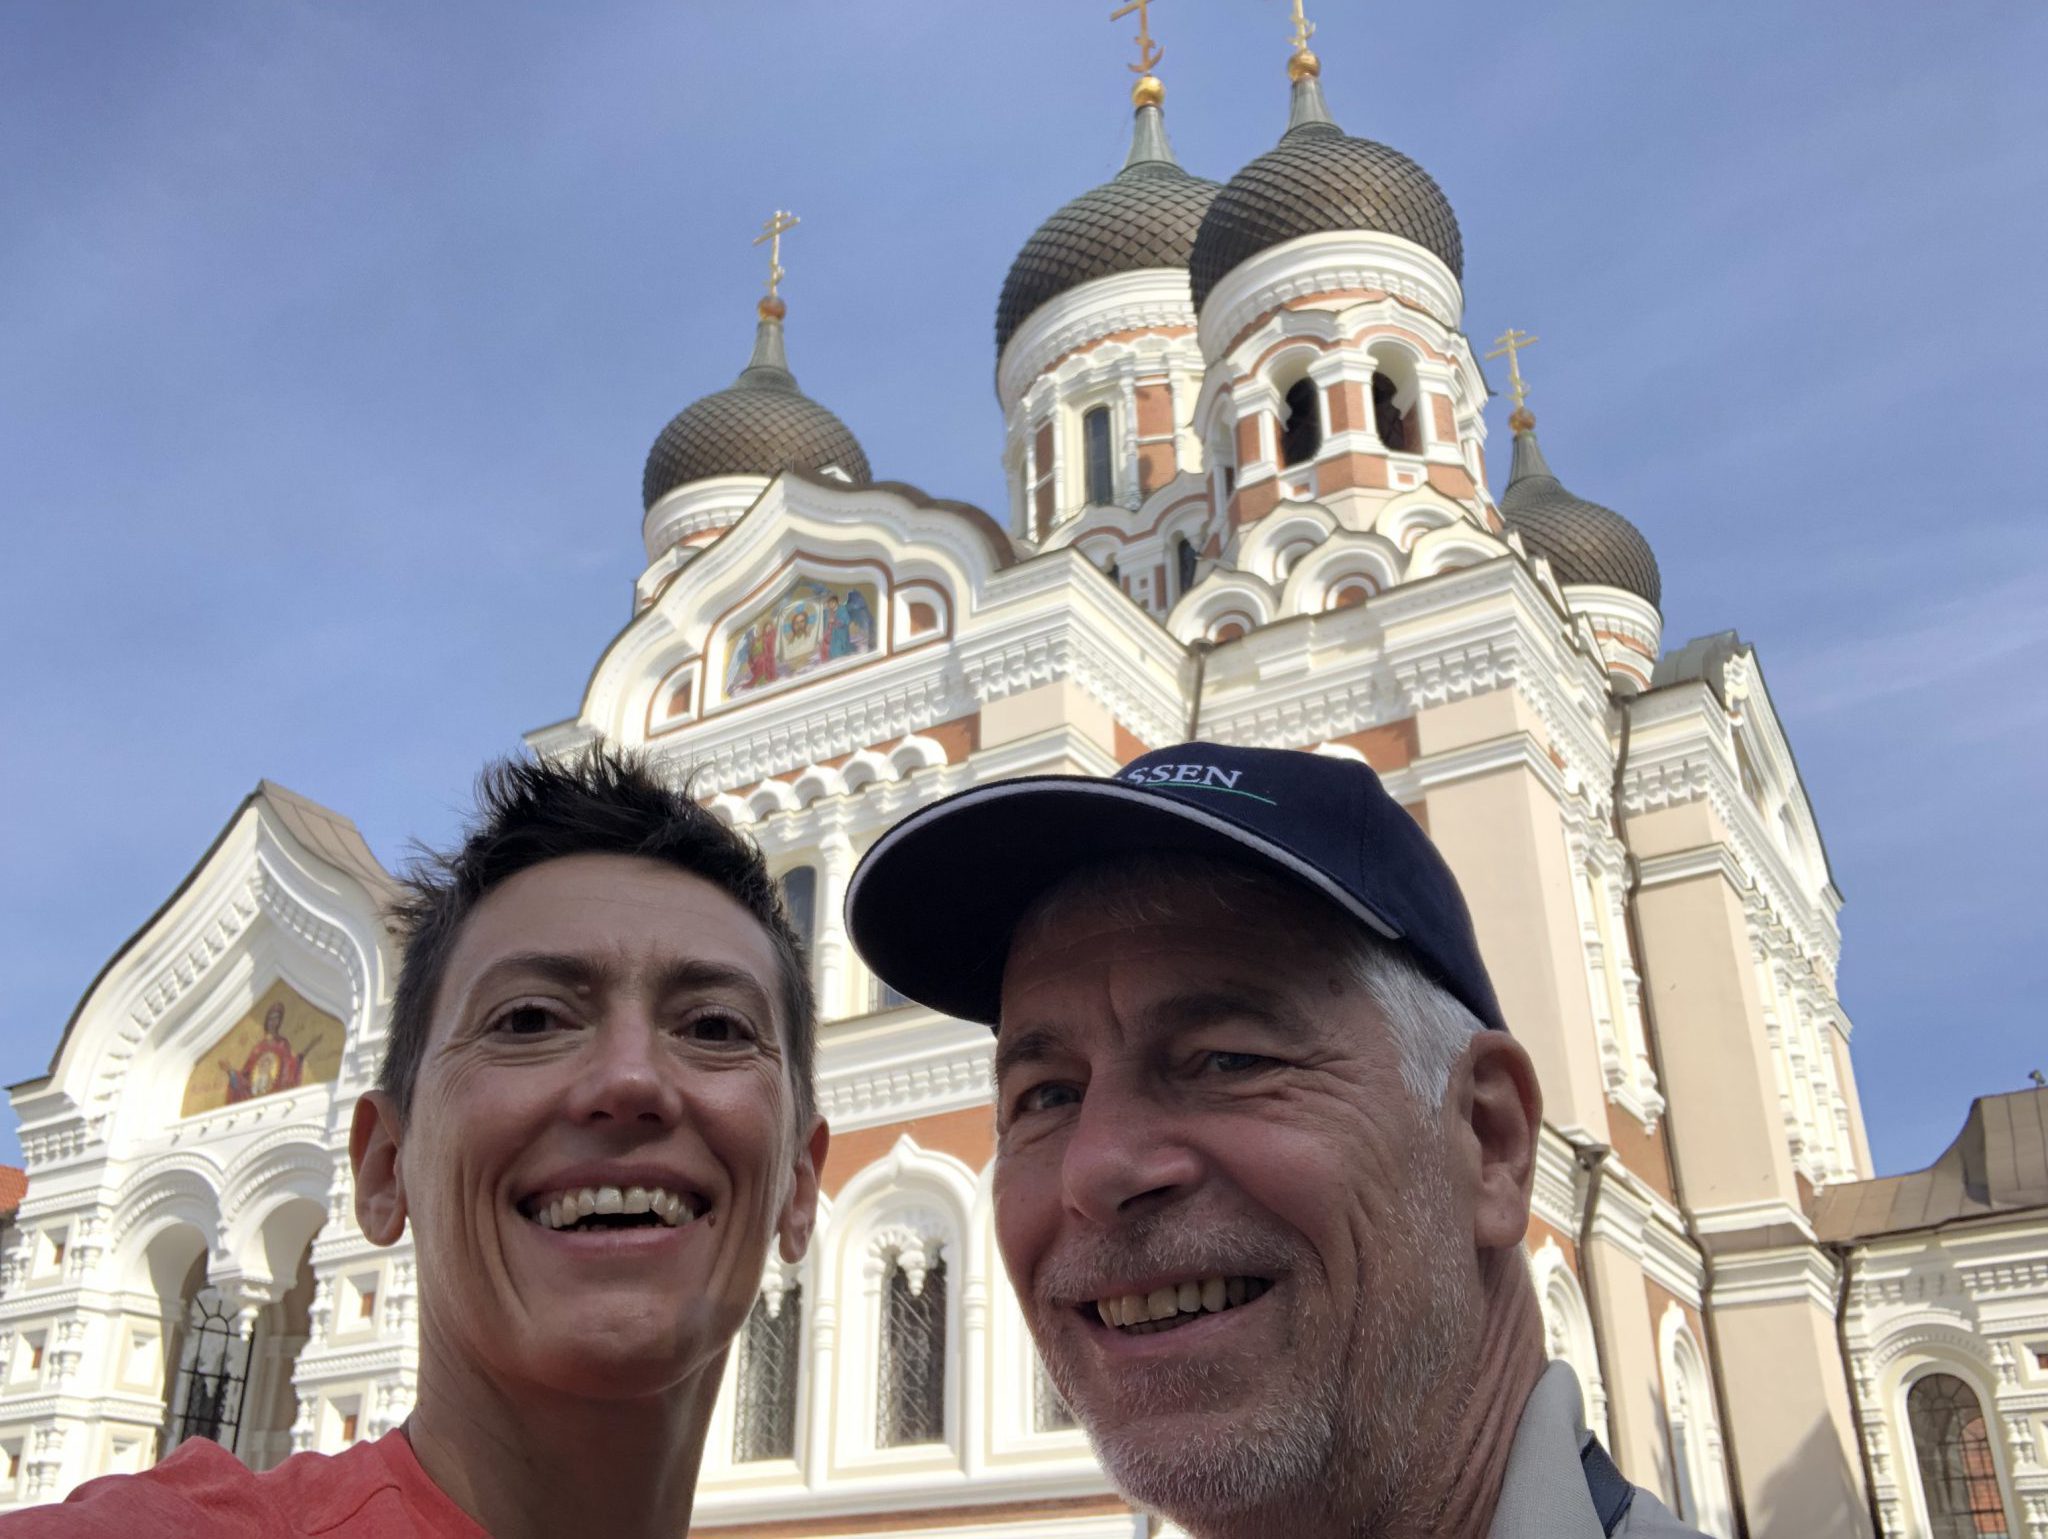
698	975
583	974
592	975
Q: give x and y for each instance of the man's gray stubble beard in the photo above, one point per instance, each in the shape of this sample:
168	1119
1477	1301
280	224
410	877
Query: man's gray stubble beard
1318	1445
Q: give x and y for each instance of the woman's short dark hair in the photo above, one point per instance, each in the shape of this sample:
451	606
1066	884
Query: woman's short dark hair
599	803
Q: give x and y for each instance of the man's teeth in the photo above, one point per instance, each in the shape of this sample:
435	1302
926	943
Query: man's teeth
1142	1312
566	1210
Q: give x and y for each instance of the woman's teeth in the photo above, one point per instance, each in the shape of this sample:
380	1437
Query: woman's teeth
1163	1308
613	1207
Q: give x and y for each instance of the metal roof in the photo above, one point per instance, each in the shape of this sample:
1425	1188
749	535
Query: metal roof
761	425
1144	217
1997	1164
1319	179
1585	542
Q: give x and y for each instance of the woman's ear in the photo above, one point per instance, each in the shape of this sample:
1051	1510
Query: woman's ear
800	1213
373	1140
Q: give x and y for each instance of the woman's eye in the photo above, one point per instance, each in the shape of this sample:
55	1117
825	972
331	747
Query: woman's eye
719	1028
526	1021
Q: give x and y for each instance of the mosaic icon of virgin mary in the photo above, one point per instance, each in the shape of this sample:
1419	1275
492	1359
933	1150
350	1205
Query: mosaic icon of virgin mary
272	1065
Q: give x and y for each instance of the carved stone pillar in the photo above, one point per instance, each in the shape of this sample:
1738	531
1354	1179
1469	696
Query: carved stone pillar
833	954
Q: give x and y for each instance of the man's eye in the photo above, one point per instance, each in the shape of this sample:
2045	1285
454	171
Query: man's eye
1233	1063
1048	1097
526	1021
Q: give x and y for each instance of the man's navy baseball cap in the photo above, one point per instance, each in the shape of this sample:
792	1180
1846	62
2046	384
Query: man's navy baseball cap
934	904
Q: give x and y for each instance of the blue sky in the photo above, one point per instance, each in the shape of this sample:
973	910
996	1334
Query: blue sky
333	337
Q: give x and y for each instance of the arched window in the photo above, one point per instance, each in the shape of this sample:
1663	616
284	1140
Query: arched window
1568	1329
1095	446
1958	1477
800	897
1301	432
764	1404
1387	417
1698	1459
1186	558
205	1396
913	1378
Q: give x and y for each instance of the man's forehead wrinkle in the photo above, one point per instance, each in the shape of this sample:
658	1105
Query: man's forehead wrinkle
1226	1000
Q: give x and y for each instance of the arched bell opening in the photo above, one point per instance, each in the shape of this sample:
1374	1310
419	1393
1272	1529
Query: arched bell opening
1301	425
1396	401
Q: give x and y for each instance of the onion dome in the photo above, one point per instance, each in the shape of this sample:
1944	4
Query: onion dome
761	425
1143	217
1319	180
1585	543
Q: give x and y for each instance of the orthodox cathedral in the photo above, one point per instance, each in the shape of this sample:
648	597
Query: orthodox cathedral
1248	501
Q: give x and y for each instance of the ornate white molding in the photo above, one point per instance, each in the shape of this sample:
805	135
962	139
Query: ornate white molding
1793	1273
920	1066
1339	262
697	507
1152	299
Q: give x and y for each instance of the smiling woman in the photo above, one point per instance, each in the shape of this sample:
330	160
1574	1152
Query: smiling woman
595	1114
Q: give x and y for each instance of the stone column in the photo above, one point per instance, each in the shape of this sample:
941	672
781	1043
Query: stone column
833	964
818	1452
974	1378
1771	1289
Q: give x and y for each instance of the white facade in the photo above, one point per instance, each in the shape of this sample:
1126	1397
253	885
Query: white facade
133	1204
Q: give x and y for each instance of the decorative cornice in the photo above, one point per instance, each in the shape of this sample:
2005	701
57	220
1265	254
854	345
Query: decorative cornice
1794	1273
698	507
922	1084
1681	755
814	725
1150	300
1340	262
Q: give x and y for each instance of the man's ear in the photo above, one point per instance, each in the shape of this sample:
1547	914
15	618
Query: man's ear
373	1139
800	1213
1496	1098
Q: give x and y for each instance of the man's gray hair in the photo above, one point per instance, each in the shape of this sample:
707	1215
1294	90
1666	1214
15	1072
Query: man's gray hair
1431	1027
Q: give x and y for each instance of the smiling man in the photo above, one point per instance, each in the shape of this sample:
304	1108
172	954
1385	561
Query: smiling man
1265	1146
596	1113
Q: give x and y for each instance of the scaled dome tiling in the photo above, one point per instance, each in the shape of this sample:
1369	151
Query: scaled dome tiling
760	425
1315	181
1584	542
1144	217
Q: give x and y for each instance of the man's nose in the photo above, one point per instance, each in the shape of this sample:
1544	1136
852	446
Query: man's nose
1125	1152
626	1073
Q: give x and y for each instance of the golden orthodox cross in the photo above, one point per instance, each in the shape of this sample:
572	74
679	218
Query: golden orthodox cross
772	232
1304	29
1511	342
1149	52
